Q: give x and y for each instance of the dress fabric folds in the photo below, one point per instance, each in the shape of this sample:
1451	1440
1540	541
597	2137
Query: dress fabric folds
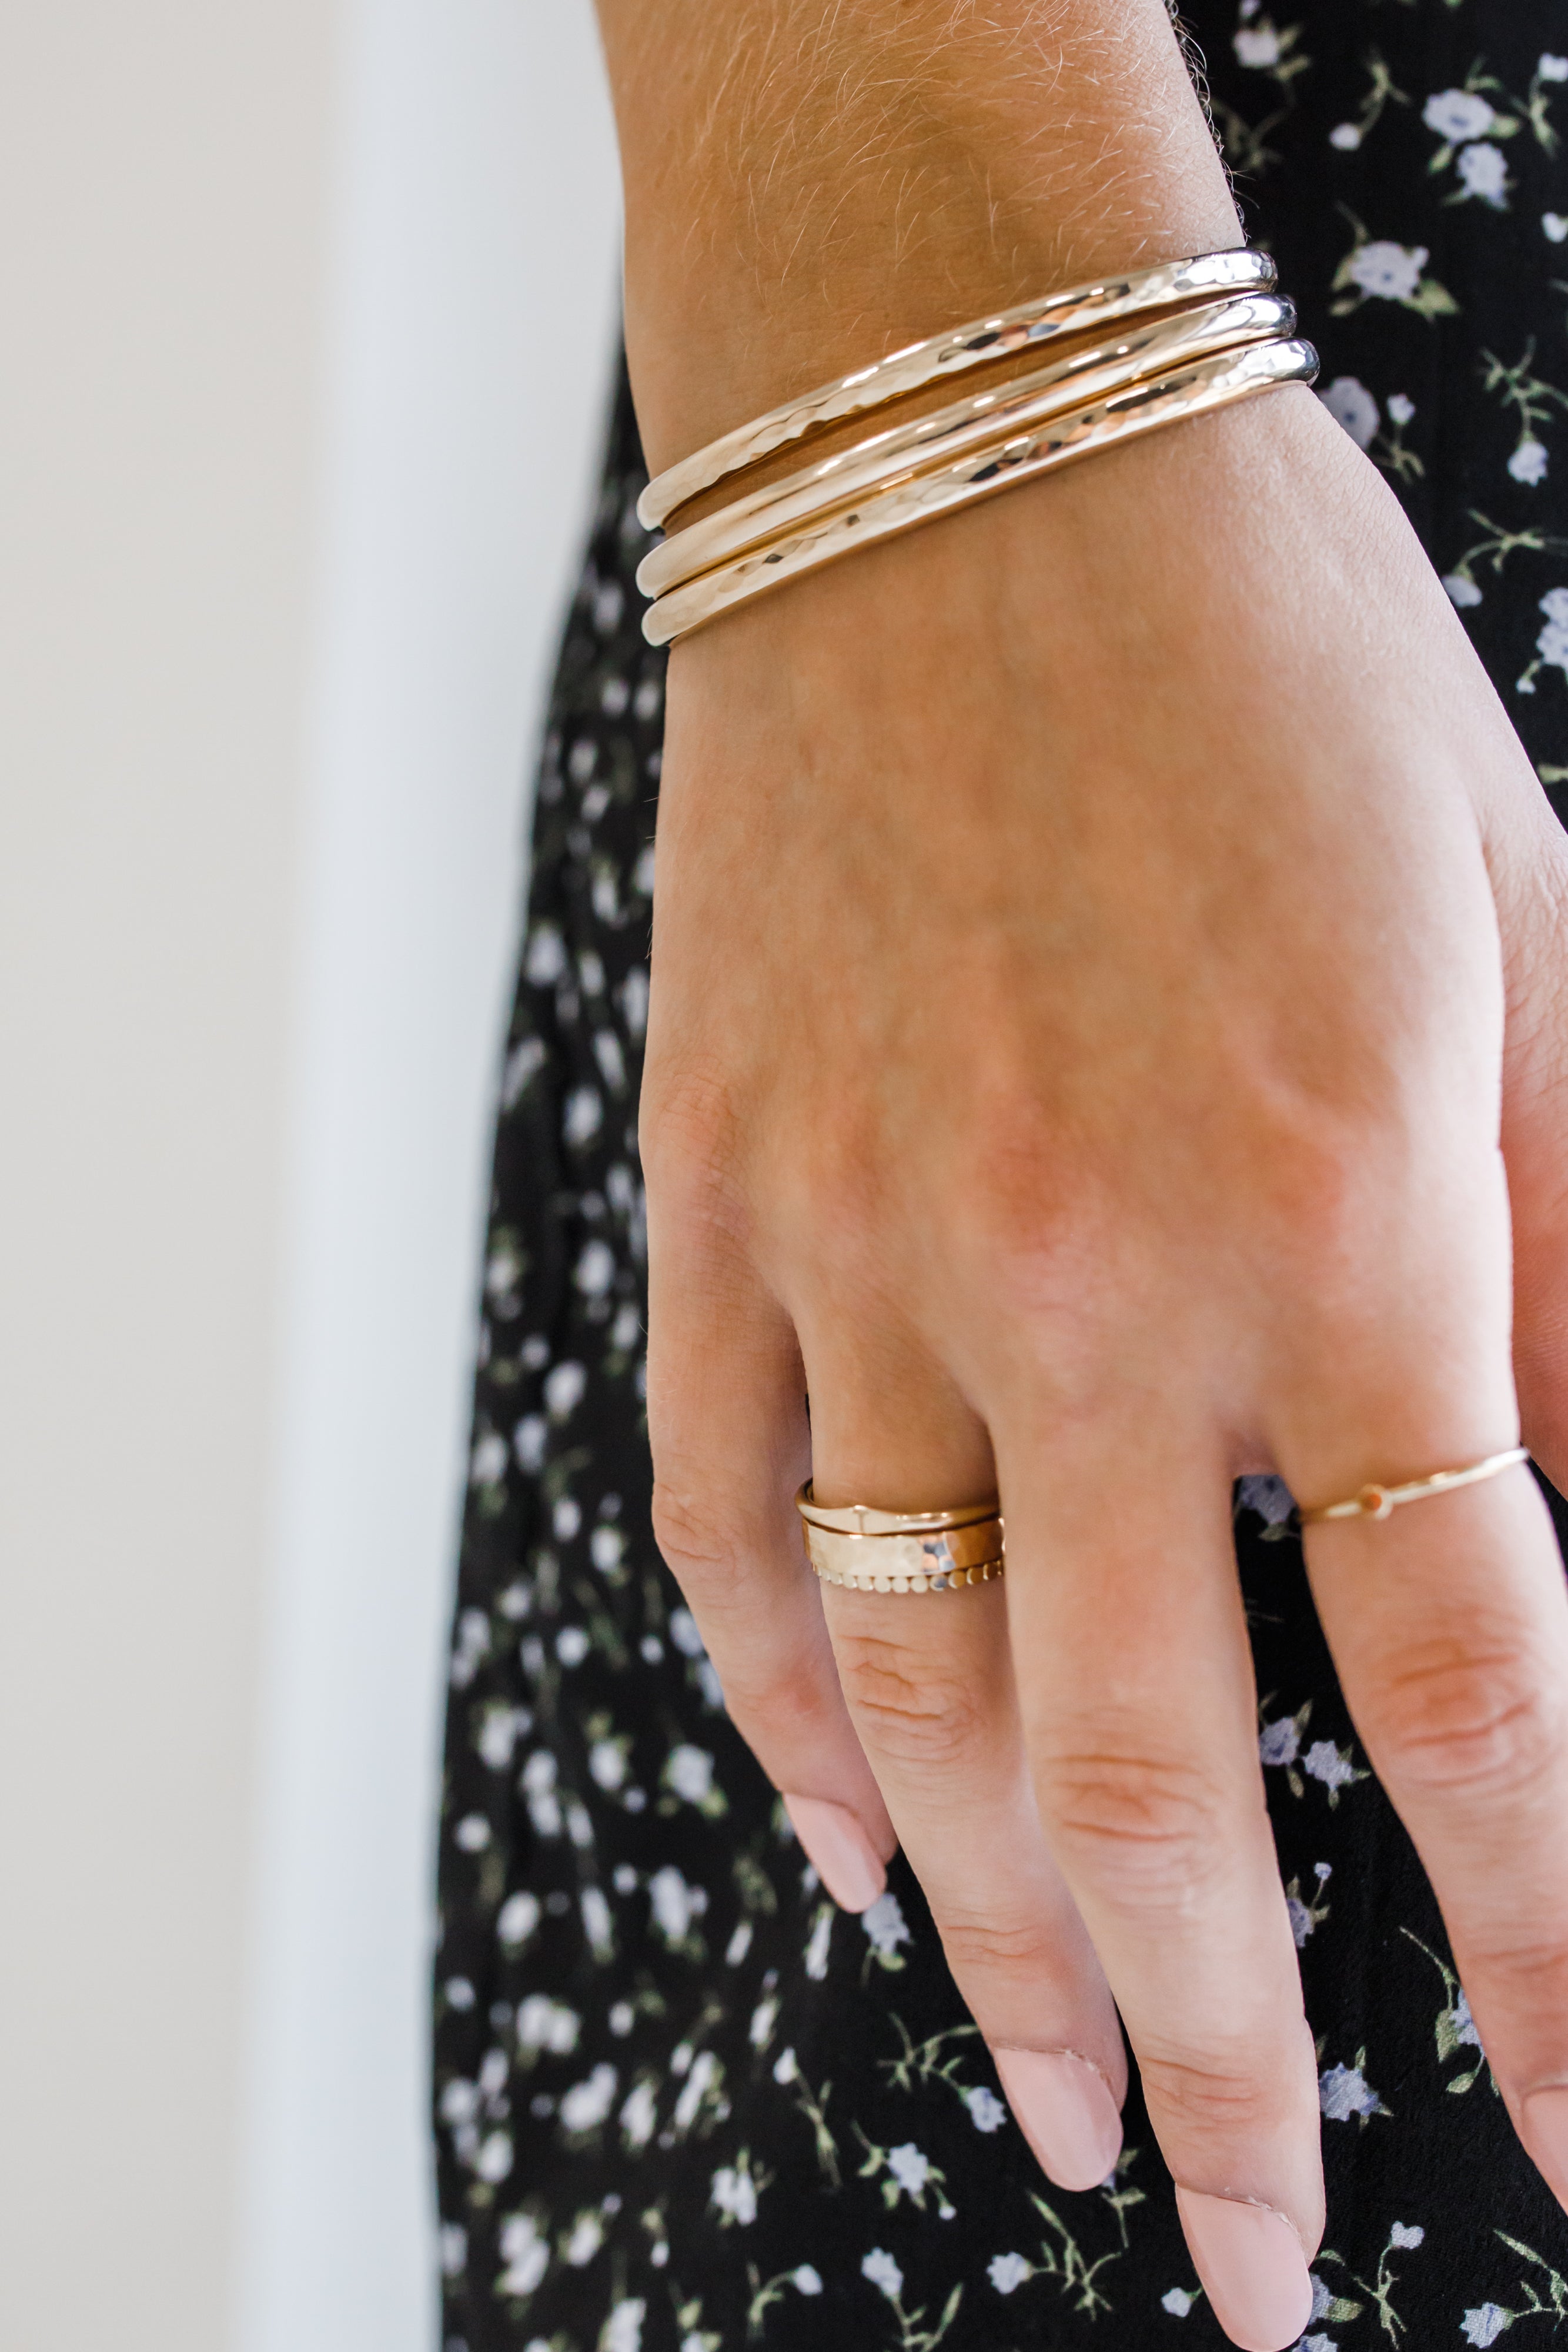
682	2104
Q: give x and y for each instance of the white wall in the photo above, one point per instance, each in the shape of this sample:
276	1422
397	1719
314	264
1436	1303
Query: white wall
308	309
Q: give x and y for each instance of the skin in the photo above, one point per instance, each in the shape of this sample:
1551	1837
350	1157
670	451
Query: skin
1107	1035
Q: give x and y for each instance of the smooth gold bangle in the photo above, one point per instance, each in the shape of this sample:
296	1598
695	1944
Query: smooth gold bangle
920	496
1140	351
1075	309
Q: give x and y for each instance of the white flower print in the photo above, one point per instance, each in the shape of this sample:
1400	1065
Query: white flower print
588	2103
1344	2092
1554	226
1462	592
546	2024
734	2193
586	2237
489	1461
621	2018
1529	462
1006	2271
454	2250
605	1547
909	2169
1406	2237
884	2272
1551	69
470	1647
760	2031
806	2280
1280	1742
493	2159
607	1763
1400	408
1484	171
529	1441
1177	2302
597	1925
674	1903
1258	46
563	1389
684	1635
525	2252
987	2112
1390	271
595	1269
1457	115
816	1960
1346	137
623	2331
473	1834
700	2082
689	1772
638	2114
459	1992
1485	2325
571	1645
884	1923
1324	1761
1350	403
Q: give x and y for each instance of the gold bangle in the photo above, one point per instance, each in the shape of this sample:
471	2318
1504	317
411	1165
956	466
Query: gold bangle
1140	351
916	497
1376	1502
902	1551
1075	309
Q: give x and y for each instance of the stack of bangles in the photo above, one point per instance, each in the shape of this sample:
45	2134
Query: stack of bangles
889	447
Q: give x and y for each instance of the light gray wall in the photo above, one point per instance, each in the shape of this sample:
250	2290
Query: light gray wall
307	314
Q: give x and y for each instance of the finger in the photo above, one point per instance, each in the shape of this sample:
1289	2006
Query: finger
1449	1628
1527	856
928	1677
1139	1711
727	1423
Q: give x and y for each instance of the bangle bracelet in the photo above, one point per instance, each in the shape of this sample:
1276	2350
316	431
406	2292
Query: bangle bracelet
1076	310
916	497
934	441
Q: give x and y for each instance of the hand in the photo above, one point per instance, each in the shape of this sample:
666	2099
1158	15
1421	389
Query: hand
1087	936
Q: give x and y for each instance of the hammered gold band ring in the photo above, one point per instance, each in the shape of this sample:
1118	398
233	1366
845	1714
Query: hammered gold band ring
1377	1501
902	1551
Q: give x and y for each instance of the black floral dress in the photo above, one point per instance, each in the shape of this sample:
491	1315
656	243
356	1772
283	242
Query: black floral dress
682	2104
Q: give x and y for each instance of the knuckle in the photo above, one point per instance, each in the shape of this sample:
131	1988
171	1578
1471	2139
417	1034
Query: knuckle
702	1542
1152	1829
1455	1715
908	1707
687	1136
1221	2100
1021	1951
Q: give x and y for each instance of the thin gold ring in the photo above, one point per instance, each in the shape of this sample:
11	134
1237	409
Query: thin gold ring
1376	1502
902	1551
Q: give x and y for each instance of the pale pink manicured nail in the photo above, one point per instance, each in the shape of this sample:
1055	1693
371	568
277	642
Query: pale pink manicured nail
1546	2137
1252	2268
840	1851
1066	2112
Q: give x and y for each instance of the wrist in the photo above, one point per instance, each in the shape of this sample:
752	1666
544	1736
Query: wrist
793	209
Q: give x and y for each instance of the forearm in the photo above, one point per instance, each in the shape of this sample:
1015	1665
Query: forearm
812	181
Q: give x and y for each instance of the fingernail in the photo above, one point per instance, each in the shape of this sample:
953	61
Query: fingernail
1252	2268
838	1850
1066	2112
1546	2137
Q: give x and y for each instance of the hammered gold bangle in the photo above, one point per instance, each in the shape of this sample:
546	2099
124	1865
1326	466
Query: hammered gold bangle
915	496
1144	349
1074	311
902	1551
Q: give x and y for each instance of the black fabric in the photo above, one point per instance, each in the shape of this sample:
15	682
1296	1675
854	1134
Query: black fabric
681	2101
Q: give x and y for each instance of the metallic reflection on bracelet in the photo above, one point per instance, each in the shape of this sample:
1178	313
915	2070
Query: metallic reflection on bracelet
916	497
948	435
902	1551
1075	310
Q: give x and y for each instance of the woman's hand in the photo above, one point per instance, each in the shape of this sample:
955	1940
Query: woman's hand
1086	934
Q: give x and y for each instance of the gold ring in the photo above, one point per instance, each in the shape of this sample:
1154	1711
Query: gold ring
1376	1502
902	1551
